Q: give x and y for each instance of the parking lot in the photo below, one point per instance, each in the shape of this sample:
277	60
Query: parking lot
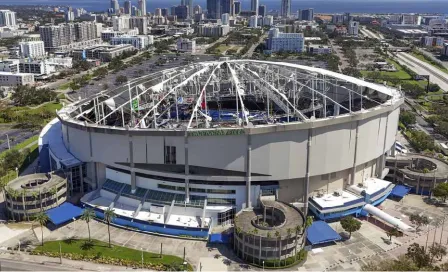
146	67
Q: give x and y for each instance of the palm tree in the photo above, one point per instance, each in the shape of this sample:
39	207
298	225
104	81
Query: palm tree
35	194
277	234
42	219
88	215
298	230
13	194
109	216
289	231
308	222
53	192
23	194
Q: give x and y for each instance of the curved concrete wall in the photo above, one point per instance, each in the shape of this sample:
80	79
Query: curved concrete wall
280	155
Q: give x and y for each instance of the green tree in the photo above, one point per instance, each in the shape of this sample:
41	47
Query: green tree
109	216
121	79
418	220
392	232
421	141
402	263
441	190
437	251
87	215
350	225
12	159
42	219
418	255
407	118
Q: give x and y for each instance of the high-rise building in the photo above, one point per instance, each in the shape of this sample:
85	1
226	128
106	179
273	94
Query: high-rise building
69	15
158	12
214	9
7	18
306	14
262	10
141	23
186	45
54	36
353	28
278	41
237	7
227	7
127	7
254	6
189	4
253	21
285	9
135	11
120	23
225	18
33	49
173	10
164	12
85	31
142	7
181	12
115	6
197	9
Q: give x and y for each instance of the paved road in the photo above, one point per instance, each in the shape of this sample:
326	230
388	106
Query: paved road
423	68
251	50
13	265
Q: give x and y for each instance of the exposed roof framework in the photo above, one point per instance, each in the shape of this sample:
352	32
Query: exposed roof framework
230	93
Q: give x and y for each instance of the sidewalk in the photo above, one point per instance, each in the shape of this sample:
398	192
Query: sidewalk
76	265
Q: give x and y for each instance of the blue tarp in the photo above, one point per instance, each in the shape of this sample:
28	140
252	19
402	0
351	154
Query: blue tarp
64	213
400	191
220	238
320	232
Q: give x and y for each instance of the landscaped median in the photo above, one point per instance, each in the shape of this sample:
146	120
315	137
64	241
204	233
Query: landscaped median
100	252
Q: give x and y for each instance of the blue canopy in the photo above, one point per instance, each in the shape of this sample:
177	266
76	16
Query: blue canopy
320	232
64	213
400	191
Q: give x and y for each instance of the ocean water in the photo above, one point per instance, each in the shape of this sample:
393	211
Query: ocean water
326	6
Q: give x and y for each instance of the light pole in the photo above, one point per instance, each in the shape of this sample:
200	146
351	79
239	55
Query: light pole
263	265
142	256
7	139
17	172
60	253
19	246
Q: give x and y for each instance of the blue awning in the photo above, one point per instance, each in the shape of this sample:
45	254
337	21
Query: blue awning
400	191
320	232
64	213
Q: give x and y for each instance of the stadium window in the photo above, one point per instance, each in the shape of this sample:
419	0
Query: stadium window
170	154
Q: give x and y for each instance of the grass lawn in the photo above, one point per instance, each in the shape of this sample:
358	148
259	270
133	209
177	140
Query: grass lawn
222	48
101	249
399	74
64	86
422	58
22	144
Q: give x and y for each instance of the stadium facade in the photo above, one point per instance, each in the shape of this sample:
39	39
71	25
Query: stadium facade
189	147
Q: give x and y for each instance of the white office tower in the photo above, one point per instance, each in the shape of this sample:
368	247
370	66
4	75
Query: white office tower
197	9
33	49
158	12
7	18
285	9
353	27
225	18
278	41
253	21
268	20
254	6
69	15
127	7
120	23
115	6
142	7
189	4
